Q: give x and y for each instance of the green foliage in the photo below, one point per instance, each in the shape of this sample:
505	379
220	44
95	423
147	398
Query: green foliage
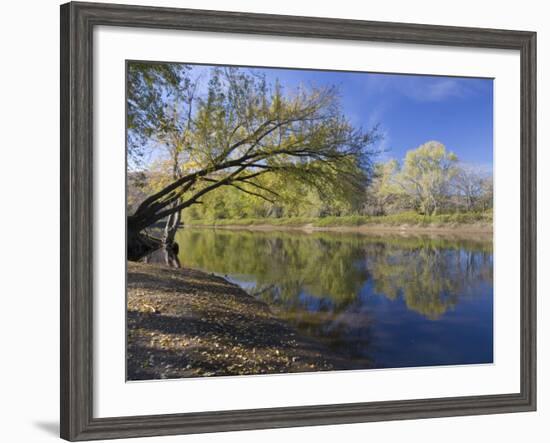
426	175
350	220
384	191
243	133
149	85
386	200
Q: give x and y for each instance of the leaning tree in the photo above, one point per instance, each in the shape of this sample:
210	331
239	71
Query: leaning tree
235	131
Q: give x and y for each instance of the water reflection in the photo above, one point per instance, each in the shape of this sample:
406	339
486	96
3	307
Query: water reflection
387	300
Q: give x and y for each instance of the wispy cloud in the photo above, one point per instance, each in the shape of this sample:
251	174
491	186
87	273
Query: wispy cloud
375	119
417	88
383	148
484	168
434	90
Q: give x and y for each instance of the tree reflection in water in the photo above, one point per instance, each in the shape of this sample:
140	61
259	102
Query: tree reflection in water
330	285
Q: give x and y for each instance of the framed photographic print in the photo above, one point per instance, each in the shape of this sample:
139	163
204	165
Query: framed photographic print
273	221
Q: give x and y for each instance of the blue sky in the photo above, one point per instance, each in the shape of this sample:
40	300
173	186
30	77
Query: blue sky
412	109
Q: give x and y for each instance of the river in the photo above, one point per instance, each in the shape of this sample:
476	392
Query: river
380	301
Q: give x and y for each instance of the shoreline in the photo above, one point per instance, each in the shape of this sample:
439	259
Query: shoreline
185	323
458	229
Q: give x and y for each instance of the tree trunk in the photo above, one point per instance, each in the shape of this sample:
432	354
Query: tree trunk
171	227
139	244
171	255
171	248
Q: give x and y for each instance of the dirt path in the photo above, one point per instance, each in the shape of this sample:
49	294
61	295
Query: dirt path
186	323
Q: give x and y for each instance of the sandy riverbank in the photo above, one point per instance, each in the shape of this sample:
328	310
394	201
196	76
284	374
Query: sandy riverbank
456	229
187	323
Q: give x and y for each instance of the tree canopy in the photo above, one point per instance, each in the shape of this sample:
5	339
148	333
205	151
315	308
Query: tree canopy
426	174
240	132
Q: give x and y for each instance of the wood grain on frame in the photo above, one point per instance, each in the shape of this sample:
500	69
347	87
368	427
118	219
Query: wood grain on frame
77	23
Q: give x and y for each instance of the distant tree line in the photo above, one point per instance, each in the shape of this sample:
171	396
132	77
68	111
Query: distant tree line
430	180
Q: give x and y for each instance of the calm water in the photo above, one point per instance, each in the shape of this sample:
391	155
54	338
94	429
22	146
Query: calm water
391	300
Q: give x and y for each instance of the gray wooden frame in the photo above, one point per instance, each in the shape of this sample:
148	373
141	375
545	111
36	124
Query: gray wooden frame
77	24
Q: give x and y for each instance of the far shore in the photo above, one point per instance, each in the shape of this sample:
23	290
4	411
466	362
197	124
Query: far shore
446	229
457	223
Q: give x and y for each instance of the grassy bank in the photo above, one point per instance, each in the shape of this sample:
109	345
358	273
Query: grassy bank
476	220
186	323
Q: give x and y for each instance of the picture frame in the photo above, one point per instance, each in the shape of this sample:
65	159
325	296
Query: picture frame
77	217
